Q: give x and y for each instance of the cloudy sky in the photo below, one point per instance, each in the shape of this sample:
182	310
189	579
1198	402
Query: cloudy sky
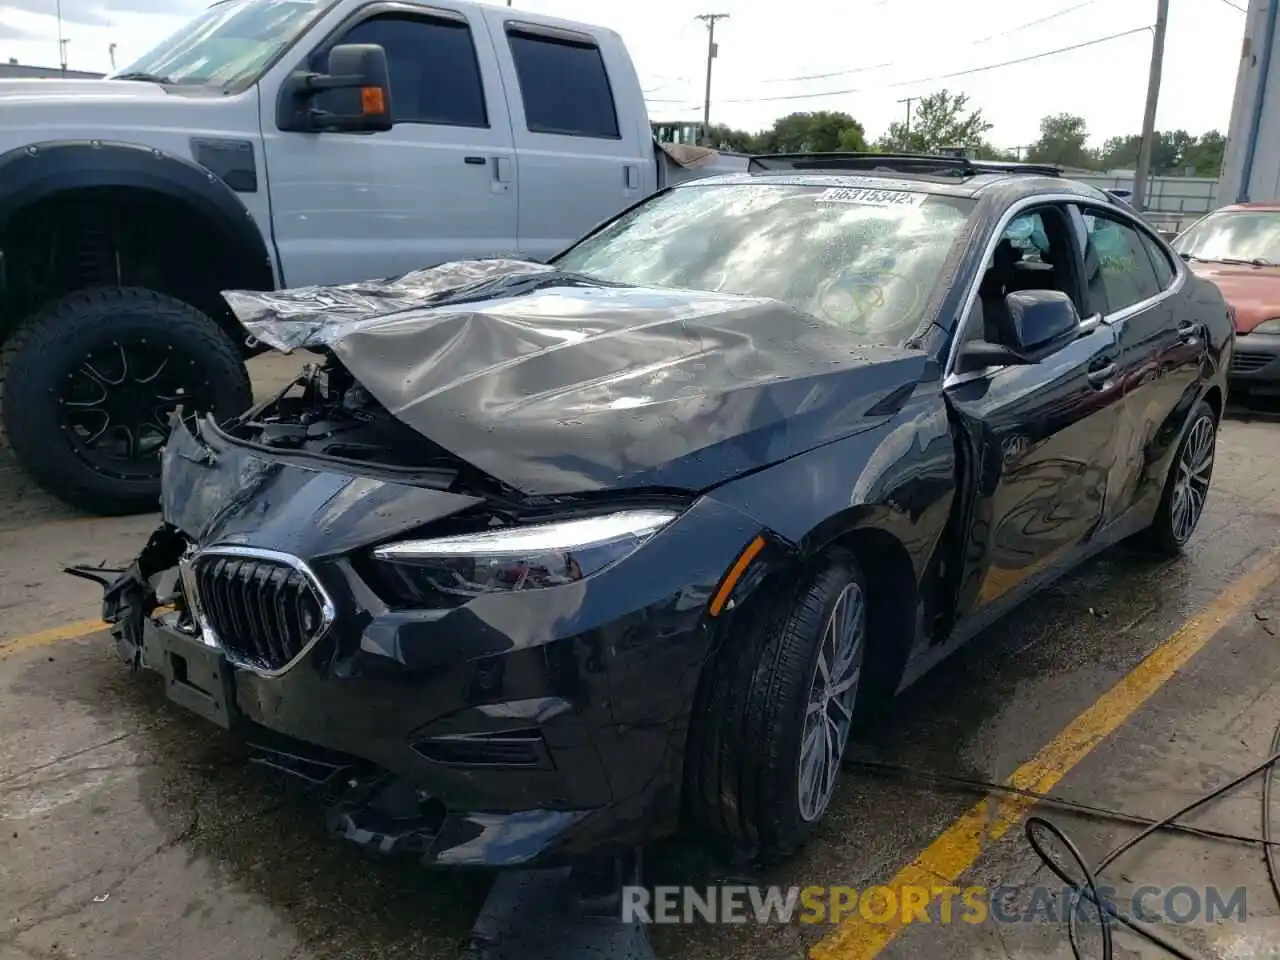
860	56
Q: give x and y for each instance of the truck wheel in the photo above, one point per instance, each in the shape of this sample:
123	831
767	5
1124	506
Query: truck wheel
87	385
775	712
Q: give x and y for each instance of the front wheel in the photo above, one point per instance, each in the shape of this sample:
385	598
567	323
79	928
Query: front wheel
1187	486
775	712
87	385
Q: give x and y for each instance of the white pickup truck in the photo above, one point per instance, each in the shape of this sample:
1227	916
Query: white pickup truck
275	143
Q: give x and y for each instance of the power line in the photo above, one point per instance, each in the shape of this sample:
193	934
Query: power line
826	76
947	76
995	36
1036	23
1235	6
1035	56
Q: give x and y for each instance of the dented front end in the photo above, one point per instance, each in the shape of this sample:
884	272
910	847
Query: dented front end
506	729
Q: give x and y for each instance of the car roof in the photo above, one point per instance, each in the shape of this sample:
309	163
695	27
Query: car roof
1260	206
940	175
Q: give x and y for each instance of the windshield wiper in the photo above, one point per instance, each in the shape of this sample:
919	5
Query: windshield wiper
1254	262
144	77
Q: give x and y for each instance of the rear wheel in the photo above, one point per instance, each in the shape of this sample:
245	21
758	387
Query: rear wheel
87	385
1187	486
775	712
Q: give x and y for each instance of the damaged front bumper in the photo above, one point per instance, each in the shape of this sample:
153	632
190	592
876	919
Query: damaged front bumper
511	730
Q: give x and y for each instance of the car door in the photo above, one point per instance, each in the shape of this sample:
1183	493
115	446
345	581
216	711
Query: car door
440	185
580	161
1132	281
1040	438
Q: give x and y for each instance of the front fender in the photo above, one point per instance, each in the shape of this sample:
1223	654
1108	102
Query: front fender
898	477
41	171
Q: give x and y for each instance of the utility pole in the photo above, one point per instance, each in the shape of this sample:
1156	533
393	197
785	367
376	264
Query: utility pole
908	101
62	44
111	52
710	20
1153	99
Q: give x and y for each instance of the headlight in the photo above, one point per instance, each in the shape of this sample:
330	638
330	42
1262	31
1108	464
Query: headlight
520	558
1268	326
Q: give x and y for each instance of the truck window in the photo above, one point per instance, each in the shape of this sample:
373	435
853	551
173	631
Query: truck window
564	86
435	75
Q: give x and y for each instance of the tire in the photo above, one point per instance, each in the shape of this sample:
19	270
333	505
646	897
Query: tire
110	361
1188	482
743	773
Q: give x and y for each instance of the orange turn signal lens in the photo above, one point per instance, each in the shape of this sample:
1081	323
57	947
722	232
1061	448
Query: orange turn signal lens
373	100
735	574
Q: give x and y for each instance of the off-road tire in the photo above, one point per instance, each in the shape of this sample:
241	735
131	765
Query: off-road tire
1160	538
741	774
46	346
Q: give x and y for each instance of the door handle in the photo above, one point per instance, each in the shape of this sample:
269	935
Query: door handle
630	177
1098	376
502	169
474	161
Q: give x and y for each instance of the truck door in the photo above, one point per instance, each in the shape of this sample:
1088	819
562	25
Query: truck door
439	186
584	145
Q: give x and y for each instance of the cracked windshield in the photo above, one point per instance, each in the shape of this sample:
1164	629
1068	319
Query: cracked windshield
865	259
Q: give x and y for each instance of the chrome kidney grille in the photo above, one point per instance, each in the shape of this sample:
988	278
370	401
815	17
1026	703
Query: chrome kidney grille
262	608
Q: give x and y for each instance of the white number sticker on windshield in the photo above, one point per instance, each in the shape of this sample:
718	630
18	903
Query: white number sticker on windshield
872	198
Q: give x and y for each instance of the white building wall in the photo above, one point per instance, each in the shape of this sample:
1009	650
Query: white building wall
1264	181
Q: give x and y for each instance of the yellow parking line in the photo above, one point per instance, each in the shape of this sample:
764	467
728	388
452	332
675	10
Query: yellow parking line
958	847
70	631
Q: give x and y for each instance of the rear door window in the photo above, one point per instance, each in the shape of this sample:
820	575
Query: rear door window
564	85
1160	260
1118	269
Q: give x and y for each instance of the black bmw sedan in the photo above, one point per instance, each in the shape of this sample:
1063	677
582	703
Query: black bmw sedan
536	561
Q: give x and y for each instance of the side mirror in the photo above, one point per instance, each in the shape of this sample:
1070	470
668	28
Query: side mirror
354	96
980	354
1041	320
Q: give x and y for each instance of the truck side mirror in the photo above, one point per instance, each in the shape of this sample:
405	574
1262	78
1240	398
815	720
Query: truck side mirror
354	96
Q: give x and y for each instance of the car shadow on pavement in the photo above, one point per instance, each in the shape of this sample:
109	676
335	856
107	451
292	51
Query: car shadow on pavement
260	836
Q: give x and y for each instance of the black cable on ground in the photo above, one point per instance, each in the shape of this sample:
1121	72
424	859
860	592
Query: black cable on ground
1085	885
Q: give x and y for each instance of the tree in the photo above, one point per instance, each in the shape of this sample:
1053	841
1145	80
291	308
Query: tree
941	120
988	151
1173	153
1119	153
1206	154
721	137
1063	139
820	132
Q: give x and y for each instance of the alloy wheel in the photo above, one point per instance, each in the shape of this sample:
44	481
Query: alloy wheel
1191	488
829	708
115	403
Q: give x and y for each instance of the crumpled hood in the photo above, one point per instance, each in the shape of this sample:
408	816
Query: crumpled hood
557	384
1254	292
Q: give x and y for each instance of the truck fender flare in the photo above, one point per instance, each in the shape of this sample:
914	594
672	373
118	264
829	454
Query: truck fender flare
42	170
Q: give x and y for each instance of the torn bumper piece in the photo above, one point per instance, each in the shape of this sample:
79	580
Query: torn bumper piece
365	803
511	729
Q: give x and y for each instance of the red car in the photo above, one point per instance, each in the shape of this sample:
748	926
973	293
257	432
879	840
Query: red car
1238	249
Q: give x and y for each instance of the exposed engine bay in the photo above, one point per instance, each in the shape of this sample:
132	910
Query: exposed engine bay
326	412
